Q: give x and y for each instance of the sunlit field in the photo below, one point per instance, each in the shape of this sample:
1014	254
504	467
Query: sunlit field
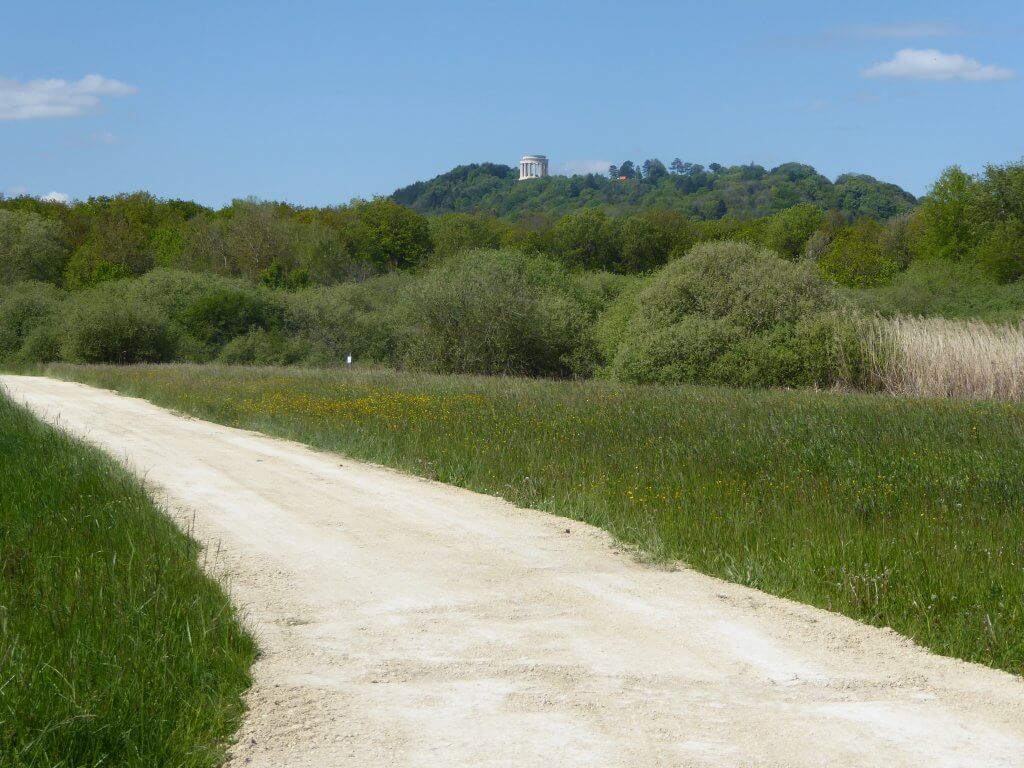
903	513
115	649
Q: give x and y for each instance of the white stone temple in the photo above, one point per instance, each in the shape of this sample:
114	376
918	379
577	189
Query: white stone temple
533	167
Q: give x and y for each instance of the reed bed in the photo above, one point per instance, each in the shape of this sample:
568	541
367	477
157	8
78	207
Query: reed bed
935	357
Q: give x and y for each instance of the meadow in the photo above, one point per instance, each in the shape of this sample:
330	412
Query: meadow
896	511
115	648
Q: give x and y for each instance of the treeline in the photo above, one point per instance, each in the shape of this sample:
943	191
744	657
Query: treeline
967	220
714	192
86	243
649	296
104	238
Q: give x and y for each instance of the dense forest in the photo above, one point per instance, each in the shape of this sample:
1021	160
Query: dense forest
740	191
643	295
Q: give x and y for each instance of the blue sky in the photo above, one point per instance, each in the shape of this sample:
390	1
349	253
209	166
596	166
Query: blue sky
320	102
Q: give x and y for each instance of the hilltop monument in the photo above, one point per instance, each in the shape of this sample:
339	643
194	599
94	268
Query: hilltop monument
533	167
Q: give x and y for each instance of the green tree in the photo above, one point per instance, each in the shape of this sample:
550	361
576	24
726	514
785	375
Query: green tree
390	235
587	239
788	231
729	313
120	233
257	234
1001	251
647	239
654	169
454	232
855	257
31	248
951	213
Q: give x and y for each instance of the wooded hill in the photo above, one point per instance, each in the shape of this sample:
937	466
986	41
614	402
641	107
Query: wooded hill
739	191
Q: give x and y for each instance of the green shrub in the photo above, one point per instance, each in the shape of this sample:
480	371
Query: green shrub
643	244
352	318
103	326
25	308
813	352
175	291
685	350
496	312
42	345
262	347
728	313
587	238
220	315
937	287
788	231
189	349
1001	252
611	325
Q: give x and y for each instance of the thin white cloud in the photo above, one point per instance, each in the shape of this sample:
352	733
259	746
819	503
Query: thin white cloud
930	64
583	167
102	137
56	197
821	105
56	98
909	29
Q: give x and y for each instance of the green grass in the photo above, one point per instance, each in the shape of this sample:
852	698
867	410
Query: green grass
115	649
905	513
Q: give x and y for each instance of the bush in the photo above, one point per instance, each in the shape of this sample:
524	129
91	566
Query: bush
42	345
686	350
354	318
87	269
497	312
102	326
728	313
216	317
936	287
174	291
612	323
1001	252
261	347
25	309
788	231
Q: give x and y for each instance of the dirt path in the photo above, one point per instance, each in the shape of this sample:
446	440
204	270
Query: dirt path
408	623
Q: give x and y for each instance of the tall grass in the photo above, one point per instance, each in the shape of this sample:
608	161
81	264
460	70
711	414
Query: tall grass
934	357
115	649
898	512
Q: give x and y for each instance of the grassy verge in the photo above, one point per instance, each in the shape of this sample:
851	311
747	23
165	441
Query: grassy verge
115	649
898	512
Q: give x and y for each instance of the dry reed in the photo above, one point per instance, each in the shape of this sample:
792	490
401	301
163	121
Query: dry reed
934	357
